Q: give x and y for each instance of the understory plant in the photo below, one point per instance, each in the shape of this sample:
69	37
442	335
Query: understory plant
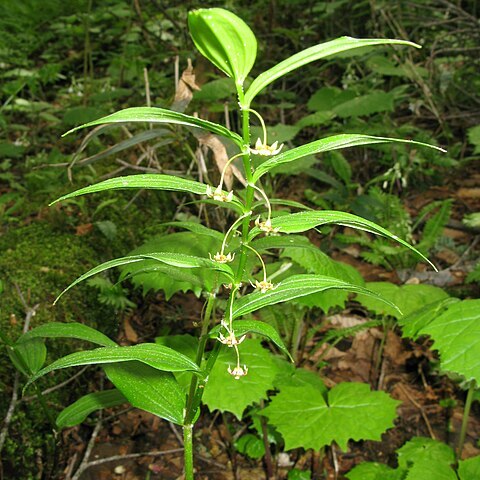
222	368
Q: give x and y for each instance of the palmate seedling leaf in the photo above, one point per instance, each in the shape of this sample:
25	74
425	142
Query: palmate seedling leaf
426	458
243	327
335	142
28	357
352	412
152	181
226	394
456	336
156	356
68	330
312	54
303	221
375	471
225	39
469	469
148	389
178	260
161	115
78	411
294	287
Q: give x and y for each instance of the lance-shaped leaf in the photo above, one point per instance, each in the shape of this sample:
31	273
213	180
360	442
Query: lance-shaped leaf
148	389
28	357
243	327
303	221
317	52
161	115
294	287
68	330
351	411
335	142
150	181
197	228
225	39
456	336
78	411
469	469
179	260
157	356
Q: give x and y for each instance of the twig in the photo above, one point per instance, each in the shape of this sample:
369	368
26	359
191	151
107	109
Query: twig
422	411
173	428
91	443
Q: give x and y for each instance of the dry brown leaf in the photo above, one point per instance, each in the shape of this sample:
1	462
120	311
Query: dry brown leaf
186	84
130	334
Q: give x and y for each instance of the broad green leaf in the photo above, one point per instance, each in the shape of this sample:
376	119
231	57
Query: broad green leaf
469	469
153	181
456	336
224	393
414	322
243	327
374	471
327	144
294	287
303	221
408	298
312	54
250	445
78	411
473	134
173	280
68	330
352	411
148	389
157	356
427	458
28	357
161	115
225	39
178	260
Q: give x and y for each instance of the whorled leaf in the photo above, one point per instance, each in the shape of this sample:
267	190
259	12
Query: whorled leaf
303	221
156	356
317	52
336	142
178	260
152	181
78	411
148	389
294	287
161	115
67	330
28	357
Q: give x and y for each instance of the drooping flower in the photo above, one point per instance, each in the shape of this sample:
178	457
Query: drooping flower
238	371
220	257
218	194
266	226
264	286
231	340
265	150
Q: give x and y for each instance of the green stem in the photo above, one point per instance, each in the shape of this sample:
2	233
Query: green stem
188	451
466	414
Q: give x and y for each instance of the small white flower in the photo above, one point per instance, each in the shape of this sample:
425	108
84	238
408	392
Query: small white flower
238	371
218	194
230	340
264	149
266	226
264	286
222	258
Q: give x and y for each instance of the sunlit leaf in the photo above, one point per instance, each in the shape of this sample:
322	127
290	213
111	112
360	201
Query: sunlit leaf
312	54
375	471
68	330
225	39
335	142
161	115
